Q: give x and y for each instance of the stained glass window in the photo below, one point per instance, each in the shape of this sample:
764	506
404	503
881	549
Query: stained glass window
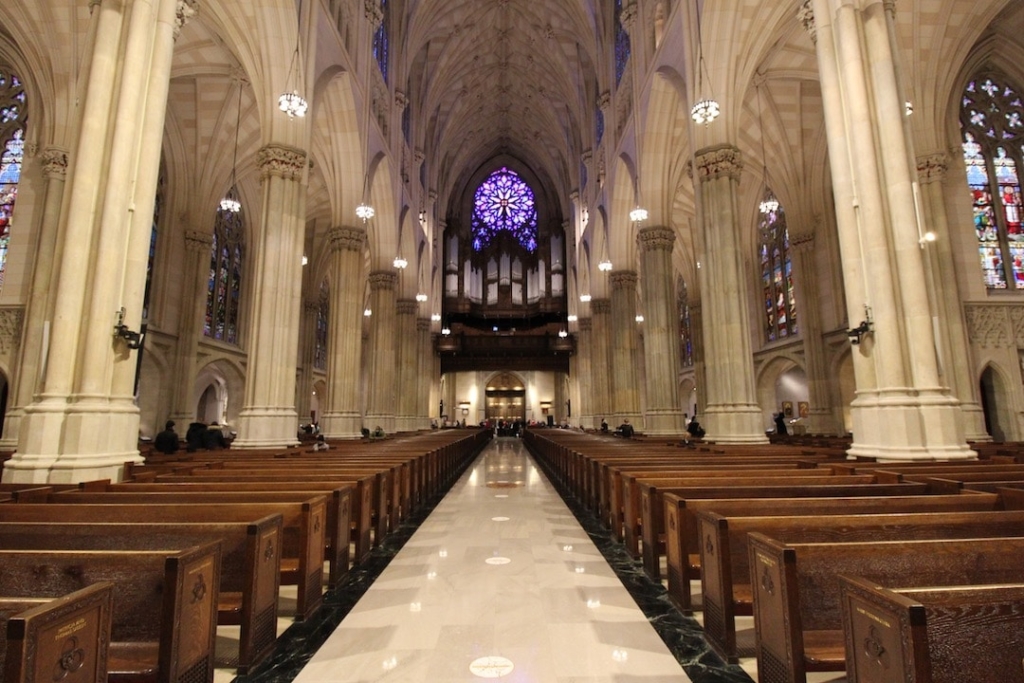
157	206
992	120
685	328
224	289
504	203
380	40
599	116
320	348
12	154
621	43
777	290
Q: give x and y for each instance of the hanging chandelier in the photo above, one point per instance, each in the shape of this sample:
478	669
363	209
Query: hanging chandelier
290	101
231	203
706	109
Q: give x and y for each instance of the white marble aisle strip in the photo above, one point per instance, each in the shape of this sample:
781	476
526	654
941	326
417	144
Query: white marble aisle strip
528	598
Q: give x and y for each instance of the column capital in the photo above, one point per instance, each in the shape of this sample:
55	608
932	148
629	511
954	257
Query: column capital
585	324
723	161
604	100
54	161
407	307
624	279
932	168
373	12
601	306
198	242
656	238
185	10
805	15
382	279
346	238
282	161
628	17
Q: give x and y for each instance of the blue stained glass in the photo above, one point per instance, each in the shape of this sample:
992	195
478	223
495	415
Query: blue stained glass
504	203
600	126
777	275
380	41
622	46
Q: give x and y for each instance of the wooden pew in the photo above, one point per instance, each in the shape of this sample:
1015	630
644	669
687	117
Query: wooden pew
797	613
652	504
249	570
302	549
682	541
164	621
944	634
724	555
57	639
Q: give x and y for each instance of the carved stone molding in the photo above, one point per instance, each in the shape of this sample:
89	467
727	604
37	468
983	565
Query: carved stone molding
586	325
186	10
373	12
991	325
198	242
932	167
801	241
601	306
713	163
382	279
628	17
346	239
407	307
54	161
603	100
401	101
624	279
281	161
10	328
805	15
422	324
656	238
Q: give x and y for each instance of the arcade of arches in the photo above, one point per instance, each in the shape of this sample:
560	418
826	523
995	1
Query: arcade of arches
180	179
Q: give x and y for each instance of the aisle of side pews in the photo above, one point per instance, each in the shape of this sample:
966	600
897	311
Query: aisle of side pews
845	565
207	541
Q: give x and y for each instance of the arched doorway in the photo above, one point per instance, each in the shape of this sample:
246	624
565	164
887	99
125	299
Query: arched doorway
994	402
505	398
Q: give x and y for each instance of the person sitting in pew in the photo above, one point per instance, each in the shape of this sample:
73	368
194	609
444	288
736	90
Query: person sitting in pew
167	440
625	430
320	444
213	437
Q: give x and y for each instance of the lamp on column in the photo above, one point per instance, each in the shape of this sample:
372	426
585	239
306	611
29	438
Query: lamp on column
290	101
769	202
706	109
230	202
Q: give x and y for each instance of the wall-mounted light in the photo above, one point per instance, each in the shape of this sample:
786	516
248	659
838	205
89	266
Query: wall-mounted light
133	340
866	327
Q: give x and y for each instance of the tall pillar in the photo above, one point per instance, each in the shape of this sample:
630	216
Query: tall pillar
307	349
380	404
39	311
342	418
953	345
425	375
407	365
194	284
902	411
733	415
584	411
821	418
83	423
664	414
268	418
623	344
600	359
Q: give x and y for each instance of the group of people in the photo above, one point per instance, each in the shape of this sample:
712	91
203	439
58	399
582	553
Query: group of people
199	436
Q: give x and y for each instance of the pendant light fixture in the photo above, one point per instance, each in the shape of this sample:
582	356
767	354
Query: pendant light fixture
290	101
706	109
769	202
231	202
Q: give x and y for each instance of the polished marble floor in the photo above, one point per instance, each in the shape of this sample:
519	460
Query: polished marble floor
500	580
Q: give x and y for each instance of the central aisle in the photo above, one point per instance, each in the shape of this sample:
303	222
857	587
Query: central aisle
500	581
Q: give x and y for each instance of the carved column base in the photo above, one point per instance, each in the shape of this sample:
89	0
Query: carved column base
735	424
974	422
902	427
664	423
267	428
342	425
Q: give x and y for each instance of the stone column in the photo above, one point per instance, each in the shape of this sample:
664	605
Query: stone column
39	311
194	284
600	359
83	424
268	418
307	349
732	415
425	375
584	412
902	411
664	414
561	395
625	393
380	404
342	417
955	357
822	418
407	365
